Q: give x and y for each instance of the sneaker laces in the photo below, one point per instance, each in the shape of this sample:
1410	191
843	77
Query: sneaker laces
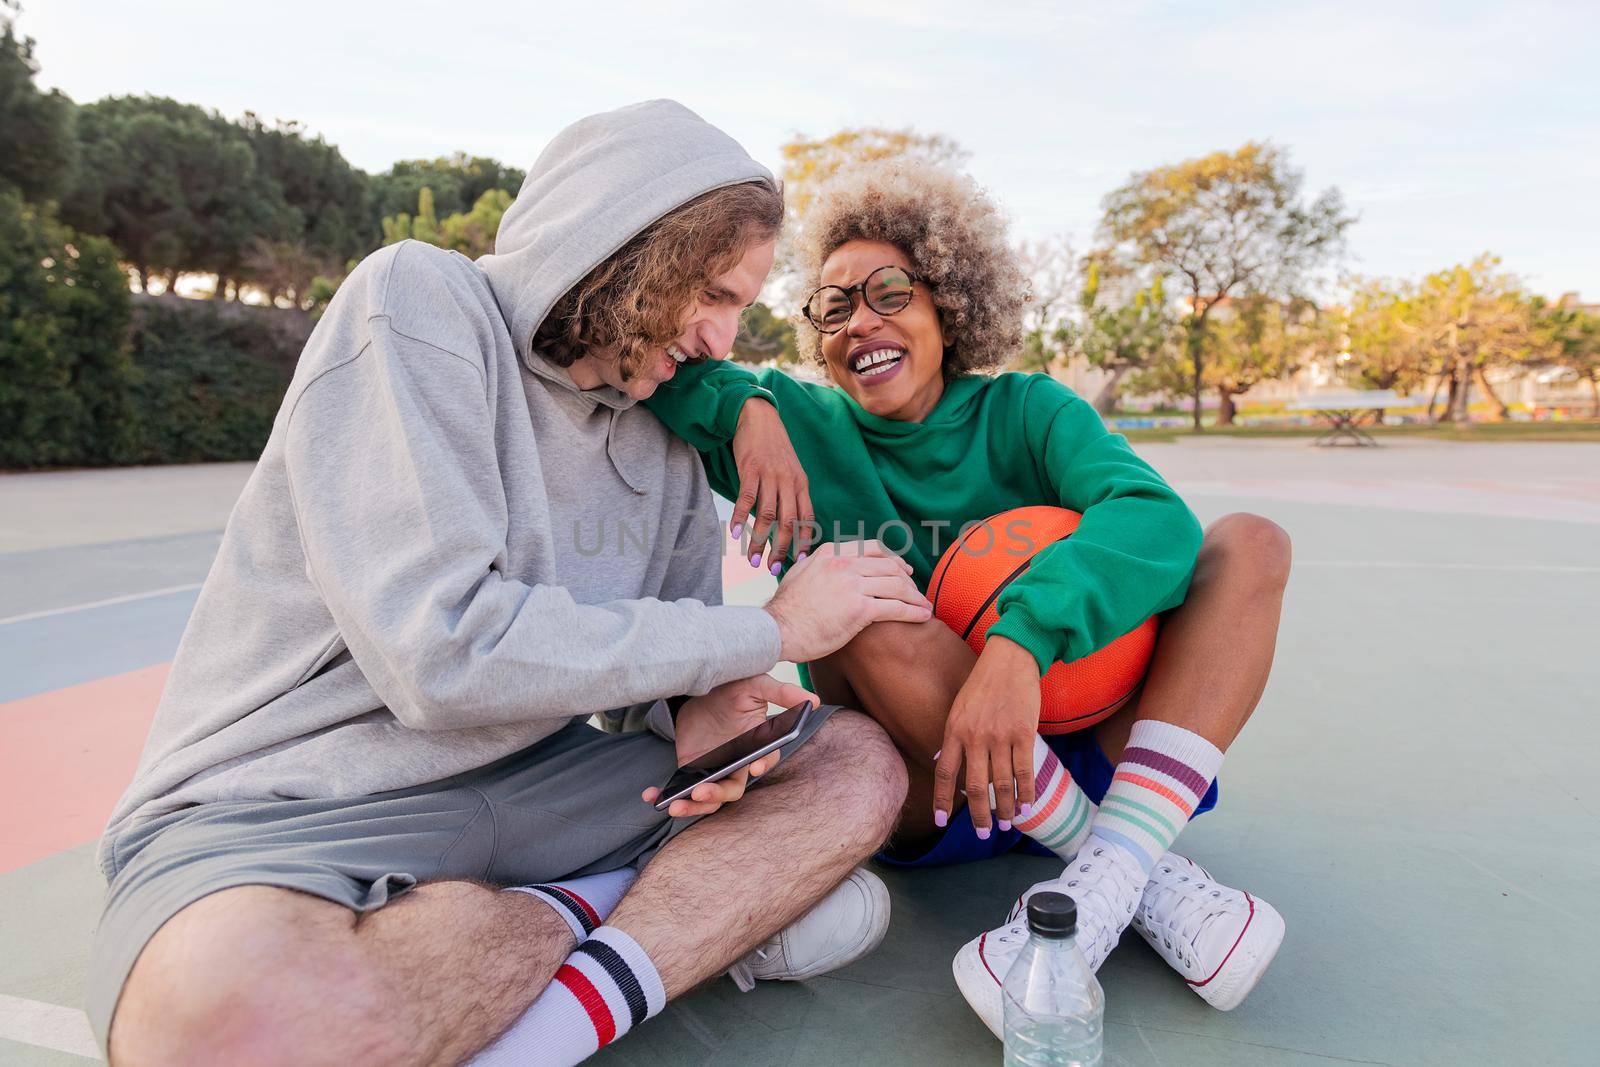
1192	910
741	974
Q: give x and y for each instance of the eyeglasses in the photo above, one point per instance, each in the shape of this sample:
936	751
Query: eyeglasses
886	290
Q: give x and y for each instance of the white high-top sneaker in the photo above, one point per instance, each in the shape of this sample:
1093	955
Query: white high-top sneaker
1106	890
1221	940
844	926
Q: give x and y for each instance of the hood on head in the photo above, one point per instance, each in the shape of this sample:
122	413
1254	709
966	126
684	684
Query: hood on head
597	184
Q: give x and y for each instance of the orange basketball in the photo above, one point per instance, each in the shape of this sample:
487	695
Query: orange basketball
966	587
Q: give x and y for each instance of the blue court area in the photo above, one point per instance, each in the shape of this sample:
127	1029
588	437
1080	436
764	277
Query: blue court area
1417	794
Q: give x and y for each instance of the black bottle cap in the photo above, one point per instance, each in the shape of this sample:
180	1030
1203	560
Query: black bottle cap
1052	915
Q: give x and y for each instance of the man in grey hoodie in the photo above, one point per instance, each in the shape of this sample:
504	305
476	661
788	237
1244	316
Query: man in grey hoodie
463	540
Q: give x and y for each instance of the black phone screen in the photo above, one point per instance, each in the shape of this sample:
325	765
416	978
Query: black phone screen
738	751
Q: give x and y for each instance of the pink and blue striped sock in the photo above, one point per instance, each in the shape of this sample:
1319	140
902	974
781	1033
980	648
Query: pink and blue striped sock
1164	772
1061	813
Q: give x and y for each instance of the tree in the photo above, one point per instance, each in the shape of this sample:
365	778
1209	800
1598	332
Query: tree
1052	270
472	232
457	181
1257	339
1222	225
764	336
807	163
175	186
35	126
1470	318
1385	351
1123	337
1569	336
327	216
64	370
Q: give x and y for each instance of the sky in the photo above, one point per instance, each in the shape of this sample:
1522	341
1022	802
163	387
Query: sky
1451	129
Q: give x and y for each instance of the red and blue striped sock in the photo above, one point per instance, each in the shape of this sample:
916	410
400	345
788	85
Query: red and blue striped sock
606	988
1061	813
583	903
1163	773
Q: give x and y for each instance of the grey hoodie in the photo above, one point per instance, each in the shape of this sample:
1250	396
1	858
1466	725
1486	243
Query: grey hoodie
447	550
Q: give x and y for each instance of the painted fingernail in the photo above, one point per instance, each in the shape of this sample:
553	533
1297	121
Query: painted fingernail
755	560
940	819
1004	825
936	754
776	567
737	531
1025	811
801	556
983	833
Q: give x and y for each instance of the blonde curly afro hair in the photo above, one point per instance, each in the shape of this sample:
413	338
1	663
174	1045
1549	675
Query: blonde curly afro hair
954	236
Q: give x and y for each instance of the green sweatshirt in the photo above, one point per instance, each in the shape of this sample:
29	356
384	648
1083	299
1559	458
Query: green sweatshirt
990	444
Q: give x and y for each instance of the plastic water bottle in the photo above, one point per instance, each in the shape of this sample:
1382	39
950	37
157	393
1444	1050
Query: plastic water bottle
1053	1003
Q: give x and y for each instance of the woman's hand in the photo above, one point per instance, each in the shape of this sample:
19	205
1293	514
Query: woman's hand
991	729
772	485
722	714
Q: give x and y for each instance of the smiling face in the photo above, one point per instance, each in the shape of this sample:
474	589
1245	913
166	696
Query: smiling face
892	365
708	329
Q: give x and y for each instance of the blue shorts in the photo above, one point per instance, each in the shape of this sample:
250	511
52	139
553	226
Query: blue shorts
1080	754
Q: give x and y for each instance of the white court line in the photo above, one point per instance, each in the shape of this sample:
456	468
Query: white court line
1426	565
33	1022
130	598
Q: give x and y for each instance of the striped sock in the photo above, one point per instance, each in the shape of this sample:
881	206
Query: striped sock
1164	772
583	902
606	988
1061	811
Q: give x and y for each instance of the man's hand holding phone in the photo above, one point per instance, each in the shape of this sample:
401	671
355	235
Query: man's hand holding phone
705	722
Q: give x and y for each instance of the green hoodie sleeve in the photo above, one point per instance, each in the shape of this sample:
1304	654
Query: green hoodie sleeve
701	404
1131	555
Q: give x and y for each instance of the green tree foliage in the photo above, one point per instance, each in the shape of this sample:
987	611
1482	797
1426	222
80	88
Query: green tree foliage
469	232
64	368
1122	336
35	126
175	186
457	181
202	389
764	336
1569	337
1385	350
327	218
1259	338
1226	224
1468	318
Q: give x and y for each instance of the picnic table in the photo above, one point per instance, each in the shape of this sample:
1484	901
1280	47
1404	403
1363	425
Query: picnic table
1346	412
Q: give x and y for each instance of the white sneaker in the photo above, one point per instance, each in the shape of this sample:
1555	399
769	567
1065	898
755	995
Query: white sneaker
1221	940
1106	890
845	925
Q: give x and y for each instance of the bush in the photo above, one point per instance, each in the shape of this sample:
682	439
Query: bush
64	370
206	386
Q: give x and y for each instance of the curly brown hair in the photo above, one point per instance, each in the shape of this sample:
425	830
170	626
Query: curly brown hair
954	236
634	302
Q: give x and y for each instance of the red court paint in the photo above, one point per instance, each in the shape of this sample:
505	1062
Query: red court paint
65	758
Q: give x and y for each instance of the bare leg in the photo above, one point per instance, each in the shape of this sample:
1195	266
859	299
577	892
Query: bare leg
261	975
1215	653
1208	673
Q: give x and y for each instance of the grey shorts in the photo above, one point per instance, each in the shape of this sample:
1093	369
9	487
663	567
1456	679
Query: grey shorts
565	807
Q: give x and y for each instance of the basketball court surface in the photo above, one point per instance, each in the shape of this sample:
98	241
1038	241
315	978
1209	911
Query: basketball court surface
1417	795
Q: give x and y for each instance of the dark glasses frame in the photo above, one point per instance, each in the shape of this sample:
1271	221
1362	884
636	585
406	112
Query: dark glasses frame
850	292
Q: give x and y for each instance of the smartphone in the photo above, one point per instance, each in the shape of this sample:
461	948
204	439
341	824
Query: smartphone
741	751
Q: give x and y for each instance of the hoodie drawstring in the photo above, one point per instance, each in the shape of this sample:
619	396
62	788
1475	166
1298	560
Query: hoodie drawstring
611	427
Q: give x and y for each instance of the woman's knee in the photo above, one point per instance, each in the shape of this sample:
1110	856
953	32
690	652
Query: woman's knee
1249	546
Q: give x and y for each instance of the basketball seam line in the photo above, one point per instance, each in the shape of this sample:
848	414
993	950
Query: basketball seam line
995	596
